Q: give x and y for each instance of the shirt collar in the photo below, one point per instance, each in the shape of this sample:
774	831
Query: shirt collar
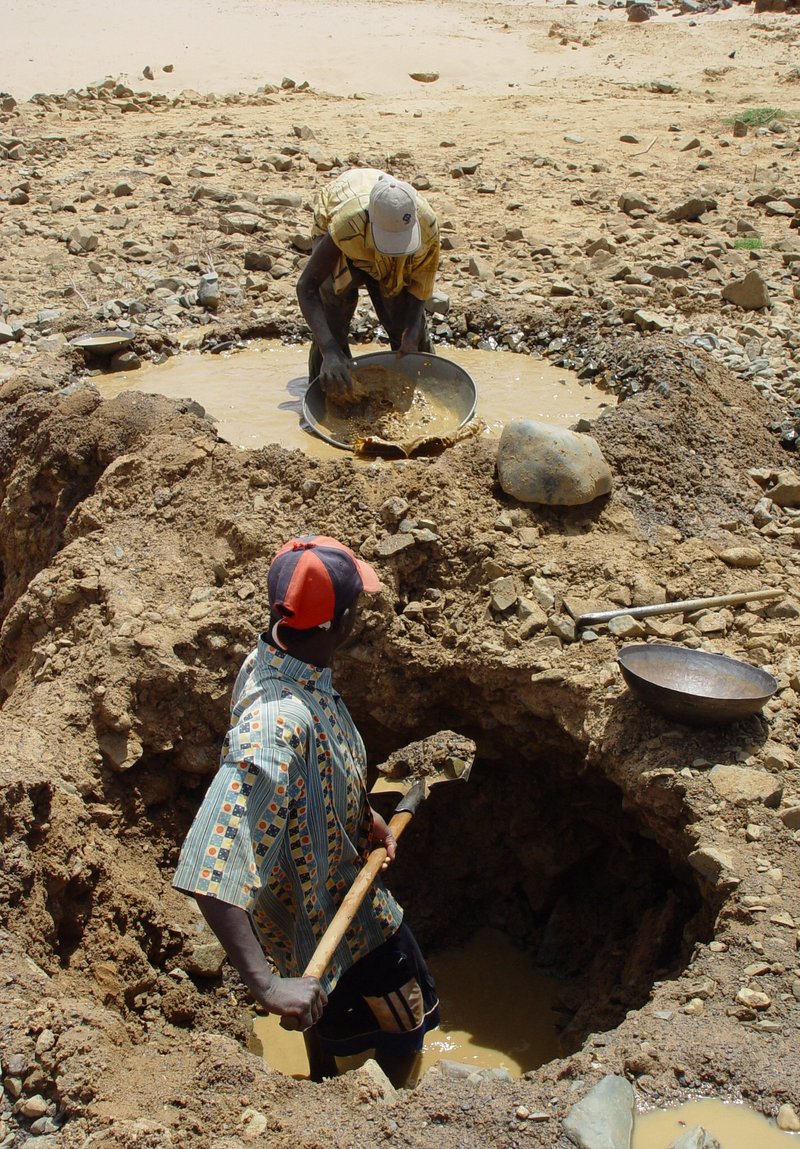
276	663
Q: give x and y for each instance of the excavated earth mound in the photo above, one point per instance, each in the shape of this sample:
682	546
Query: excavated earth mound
651	865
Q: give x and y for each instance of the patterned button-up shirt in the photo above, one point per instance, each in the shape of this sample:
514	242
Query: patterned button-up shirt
284	827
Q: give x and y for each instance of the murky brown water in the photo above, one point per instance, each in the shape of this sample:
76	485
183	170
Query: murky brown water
256	394
734	1126
511	1028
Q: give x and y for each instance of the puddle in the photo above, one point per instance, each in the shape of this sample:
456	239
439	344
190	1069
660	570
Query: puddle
511	1028
734	1126
255	395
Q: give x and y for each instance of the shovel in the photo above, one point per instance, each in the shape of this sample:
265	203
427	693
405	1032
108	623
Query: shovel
449	768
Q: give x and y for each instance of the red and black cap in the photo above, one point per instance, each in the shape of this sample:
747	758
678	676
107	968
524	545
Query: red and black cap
313	578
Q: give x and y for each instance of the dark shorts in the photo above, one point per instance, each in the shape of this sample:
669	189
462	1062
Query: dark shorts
387	1002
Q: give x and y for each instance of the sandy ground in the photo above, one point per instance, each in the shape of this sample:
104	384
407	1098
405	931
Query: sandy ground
367	47
338	47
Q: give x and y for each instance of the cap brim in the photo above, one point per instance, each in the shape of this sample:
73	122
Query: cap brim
369	577
397	242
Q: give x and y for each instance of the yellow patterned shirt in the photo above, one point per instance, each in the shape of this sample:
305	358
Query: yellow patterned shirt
284	827
342	210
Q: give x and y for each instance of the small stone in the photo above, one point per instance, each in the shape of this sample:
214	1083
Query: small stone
745	558
787	1119
753	998
713	864
695	1007
80	241
791	817
782	918
504	594
785	490
562	627
33	1107
604	1117
626	626
393	544
205	959
253	1124
480	269
742	785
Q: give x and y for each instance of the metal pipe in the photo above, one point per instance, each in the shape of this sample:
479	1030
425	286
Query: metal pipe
683	607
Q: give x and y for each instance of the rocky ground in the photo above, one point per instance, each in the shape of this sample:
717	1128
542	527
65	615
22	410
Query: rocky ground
635	222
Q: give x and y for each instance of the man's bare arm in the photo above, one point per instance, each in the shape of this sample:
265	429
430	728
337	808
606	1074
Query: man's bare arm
301	998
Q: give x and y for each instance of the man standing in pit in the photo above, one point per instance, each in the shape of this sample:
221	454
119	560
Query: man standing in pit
286	825
374	231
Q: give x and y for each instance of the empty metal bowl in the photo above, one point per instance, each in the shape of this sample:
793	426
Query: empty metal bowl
444	382
104	342
694	686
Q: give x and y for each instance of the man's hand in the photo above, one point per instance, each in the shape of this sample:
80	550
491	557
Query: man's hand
382	836
409	343
334	376
299	999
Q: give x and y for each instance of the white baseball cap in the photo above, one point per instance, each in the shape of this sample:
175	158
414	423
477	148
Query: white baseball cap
393	217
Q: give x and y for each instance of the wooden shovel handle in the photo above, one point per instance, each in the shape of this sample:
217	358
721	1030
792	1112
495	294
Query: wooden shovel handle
329	942
337	928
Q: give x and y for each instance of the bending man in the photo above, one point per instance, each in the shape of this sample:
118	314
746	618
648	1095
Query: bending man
374	231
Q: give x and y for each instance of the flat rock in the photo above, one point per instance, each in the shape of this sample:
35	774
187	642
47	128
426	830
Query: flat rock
544	463
750	293
712	863
242	222
689	209
603	1119
742	785
626	626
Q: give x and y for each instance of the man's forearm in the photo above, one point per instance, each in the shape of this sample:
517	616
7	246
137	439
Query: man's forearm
415	320
314	315
300	998
234	932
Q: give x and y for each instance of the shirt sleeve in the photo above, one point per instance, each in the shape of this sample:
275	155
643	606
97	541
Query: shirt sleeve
422	274
236	835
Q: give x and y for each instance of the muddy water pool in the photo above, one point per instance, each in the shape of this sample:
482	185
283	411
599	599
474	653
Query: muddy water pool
495	1009
255	394
734	1126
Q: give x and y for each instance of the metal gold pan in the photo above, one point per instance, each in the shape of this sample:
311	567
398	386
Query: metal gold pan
103	342
695	686
437	377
